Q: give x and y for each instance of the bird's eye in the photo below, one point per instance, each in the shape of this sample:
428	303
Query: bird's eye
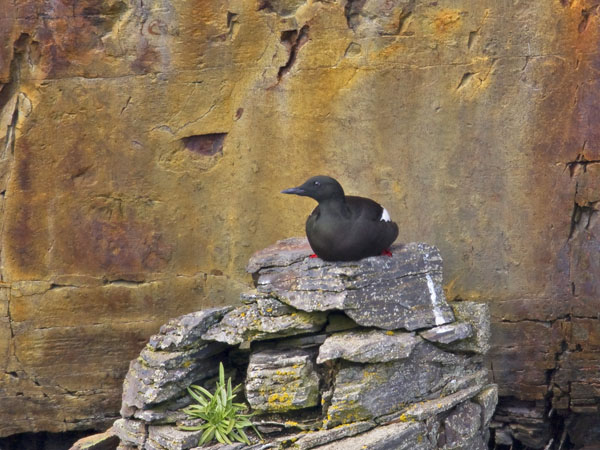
317	183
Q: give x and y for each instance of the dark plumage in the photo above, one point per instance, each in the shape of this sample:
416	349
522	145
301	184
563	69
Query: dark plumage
344	228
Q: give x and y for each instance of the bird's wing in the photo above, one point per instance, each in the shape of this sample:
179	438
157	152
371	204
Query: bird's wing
364	208
379	233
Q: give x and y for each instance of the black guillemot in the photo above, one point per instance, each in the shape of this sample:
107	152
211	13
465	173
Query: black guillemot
344	228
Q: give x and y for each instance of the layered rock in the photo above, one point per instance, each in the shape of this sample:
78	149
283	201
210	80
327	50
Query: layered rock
331	355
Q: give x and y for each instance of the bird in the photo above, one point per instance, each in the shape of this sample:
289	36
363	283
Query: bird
344	228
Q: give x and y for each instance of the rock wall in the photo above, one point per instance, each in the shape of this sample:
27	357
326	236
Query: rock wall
332	356
142	146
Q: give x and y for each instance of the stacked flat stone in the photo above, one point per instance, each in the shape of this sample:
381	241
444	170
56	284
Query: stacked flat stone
364	354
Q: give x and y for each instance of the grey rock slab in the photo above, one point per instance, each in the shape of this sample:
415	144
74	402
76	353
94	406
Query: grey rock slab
167	412
462	424
281	254
367	391
159	416
424	410
282	380
249	323
314	439
130	432
397	436
445	334
146	386
402	291
186	331
177	359
487	399
478	315
271	307
478	377
171	438
367	346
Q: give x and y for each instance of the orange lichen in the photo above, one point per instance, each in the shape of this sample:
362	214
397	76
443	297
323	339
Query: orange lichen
446	21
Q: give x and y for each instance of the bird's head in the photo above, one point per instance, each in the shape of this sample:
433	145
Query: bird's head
320	188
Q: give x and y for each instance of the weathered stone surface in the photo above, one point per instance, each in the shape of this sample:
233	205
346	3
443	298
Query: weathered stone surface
260	321
367	391
122	446
424	410
461	426
101	441
523	421
146	386
131	432
487	399
541	341
397	436
59	342
280	381
446	334
282	254
478	316
322	437
186	331
403	291
169	437
235	446
367	346
160	415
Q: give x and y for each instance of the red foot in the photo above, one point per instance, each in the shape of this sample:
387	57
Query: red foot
386	252
314	255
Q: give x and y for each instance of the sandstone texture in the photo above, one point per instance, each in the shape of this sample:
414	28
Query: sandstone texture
335	385
143	146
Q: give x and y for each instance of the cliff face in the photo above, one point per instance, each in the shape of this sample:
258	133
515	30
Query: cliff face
143	145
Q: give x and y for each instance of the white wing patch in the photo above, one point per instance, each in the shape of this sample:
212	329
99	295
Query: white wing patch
385	216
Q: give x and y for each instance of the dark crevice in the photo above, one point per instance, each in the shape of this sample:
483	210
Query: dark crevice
46	440
472	36
585	17
582	217
119	282
464	80
205	144
352	12
580	165
265	5
294	40
403	21
231	17
232	23
126	105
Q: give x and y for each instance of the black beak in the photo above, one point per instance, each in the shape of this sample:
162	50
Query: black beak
294	190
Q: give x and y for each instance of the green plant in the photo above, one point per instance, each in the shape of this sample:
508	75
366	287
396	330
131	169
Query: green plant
223	418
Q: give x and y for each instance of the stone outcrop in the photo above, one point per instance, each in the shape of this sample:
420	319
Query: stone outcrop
331	356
